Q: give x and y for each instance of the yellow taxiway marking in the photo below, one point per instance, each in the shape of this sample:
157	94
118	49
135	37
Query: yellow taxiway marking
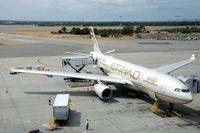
73	86
45	64
175	114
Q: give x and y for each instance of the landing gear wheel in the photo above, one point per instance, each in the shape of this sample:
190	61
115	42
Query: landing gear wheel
170	107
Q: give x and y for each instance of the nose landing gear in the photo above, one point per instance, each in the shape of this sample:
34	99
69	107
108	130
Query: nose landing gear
170	107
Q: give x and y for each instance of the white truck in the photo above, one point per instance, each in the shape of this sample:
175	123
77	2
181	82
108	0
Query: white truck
61	106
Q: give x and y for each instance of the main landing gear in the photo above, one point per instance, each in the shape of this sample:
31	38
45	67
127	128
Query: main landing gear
170	107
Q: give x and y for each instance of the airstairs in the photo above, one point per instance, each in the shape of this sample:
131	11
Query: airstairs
52	123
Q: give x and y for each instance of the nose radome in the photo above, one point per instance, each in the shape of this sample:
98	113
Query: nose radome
188	98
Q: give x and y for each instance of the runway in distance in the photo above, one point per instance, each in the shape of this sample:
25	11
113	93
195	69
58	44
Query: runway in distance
157	83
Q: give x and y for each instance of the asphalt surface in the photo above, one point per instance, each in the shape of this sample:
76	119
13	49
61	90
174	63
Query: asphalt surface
35	46
25	106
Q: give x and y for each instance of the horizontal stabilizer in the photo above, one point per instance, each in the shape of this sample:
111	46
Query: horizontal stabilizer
77	53
108	52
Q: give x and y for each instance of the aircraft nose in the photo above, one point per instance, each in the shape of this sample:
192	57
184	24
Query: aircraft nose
188	98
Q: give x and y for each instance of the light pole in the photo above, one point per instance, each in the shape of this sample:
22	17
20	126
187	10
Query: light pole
196	23
82	22
176	27
120	17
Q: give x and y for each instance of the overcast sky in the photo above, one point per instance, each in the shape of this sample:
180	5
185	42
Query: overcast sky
99	10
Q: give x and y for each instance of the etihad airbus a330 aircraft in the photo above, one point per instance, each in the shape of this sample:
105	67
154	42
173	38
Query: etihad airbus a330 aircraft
157	83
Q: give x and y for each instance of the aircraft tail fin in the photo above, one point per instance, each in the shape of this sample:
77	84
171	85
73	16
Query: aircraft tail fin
95	43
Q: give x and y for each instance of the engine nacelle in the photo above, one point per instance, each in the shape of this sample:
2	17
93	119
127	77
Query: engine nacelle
103	91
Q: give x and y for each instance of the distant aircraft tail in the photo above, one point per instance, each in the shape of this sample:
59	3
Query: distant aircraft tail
95	43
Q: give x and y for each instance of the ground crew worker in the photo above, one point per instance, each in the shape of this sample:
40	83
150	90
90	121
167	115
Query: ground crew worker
87	124
49	99
156	99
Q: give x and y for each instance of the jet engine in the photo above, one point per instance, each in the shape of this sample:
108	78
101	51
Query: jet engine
103	91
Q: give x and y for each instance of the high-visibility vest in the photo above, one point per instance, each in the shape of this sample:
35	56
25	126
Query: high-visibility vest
86	122
156	99
49	98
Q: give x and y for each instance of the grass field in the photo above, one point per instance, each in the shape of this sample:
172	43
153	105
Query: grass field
45	31
5	42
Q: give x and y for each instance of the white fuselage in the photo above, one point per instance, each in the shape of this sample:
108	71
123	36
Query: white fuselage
160	85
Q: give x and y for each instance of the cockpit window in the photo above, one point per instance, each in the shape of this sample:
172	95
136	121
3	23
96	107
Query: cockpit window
178	90
185	90
182	90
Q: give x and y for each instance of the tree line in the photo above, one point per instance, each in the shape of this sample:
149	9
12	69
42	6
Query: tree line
182	30
126	30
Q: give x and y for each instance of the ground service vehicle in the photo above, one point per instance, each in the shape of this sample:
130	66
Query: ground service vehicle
61	107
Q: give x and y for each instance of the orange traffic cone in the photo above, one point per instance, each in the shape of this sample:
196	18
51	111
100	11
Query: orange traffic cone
109	101
6	90
93	99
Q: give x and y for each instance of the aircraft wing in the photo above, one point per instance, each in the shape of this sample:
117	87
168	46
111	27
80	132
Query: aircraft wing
88	76
171	67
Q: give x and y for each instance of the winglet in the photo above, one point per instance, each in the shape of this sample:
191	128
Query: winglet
193	57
